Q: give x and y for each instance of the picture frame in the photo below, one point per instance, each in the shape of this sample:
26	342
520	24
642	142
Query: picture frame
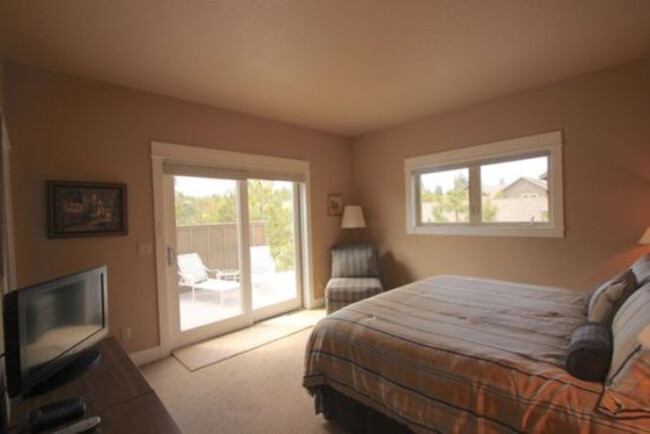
85	209
334	204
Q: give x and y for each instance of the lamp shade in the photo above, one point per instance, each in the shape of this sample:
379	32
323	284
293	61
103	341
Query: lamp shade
645	238
353	217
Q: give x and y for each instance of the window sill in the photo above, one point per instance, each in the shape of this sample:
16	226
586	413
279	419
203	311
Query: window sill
488	231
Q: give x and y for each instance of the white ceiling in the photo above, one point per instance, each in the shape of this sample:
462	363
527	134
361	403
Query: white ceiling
343	66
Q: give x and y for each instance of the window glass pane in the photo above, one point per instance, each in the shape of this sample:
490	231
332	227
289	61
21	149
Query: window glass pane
273	241
207	244
444	196
515	191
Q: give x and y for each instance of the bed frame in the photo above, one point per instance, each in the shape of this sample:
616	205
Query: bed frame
353	415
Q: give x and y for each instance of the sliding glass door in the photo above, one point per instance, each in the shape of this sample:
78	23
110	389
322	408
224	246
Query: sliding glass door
233	251
273	213
207	250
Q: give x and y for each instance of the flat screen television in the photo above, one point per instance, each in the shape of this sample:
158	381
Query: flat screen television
49	328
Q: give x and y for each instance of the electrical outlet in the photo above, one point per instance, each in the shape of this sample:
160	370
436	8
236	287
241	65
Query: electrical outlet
125	333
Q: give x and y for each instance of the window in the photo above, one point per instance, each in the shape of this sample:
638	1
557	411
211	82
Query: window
444	196
508	188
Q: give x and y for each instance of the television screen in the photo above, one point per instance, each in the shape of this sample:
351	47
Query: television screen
48	323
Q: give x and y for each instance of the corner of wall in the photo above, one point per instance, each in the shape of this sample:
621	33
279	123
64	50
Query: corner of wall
354	192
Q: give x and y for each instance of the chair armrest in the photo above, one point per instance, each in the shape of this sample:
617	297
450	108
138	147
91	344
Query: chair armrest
231	275
215	271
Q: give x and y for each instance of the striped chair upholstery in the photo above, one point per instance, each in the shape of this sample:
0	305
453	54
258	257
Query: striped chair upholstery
355	260
355	276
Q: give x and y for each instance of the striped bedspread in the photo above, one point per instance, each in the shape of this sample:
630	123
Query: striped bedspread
452	354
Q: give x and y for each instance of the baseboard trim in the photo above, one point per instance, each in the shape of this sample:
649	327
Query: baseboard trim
317	303
146	356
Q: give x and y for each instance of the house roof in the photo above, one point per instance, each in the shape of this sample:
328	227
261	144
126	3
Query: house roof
347	67
537	182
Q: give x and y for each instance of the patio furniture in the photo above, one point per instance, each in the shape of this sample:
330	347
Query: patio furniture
262	266
194	273
355	276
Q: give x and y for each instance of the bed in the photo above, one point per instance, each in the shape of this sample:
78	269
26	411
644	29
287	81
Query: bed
457	354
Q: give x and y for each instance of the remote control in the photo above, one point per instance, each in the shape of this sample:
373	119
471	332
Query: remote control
81	426
56	413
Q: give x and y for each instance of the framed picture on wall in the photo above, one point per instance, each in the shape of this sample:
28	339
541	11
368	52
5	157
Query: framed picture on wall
334	204
84	209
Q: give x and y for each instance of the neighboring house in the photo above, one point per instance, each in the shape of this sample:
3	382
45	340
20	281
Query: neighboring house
524	200
524	188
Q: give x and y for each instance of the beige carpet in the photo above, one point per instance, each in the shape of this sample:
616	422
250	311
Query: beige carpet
259	391
206	353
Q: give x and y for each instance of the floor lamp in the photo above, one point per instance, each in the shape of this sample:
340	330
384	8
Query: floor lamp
353	219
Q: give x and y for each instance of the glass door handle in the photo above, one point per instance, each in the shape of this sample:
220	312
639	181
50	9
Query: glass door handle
171	256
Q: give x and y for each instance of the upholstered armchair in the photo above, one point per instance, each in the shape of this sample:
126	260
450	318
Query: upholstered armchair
355	275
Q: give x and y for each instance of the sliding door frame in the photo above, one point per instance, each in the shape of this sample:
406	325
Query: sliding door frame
262	313
162	152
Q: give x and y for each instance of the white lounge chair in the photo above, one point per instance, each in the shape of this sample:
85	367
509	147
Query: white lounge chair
194	274
262	266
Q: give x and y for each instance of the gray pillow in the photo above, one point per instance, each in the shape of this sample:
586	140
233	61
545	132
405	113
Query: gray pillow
609	297
590	352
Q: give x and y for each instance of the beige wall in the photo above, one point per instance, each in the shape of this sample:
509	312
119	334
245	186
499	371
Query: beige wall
605	117
2	286
62	127
2	82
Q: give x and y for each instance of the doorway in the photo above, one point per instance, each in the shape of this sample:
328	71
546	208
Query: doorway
233	244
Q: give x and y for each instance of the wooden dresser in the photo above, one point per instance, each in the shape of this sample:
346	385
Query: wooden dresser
114	389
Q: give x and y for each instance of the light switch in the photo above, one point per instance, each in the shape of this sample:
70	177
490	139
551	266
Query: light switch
144	248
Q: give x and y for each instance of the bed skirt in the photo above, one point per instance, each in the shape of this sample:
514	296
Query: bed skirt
352	415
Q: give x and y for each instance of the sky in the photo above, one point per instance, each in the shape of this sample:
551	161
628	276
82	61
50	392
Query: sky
491	174
202	187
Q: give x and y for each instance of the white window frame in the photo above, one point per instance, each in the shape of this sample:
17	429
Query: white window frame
549	144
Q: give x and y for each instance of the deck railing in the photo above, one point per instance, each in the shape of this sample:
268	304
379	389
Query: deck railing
217	244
